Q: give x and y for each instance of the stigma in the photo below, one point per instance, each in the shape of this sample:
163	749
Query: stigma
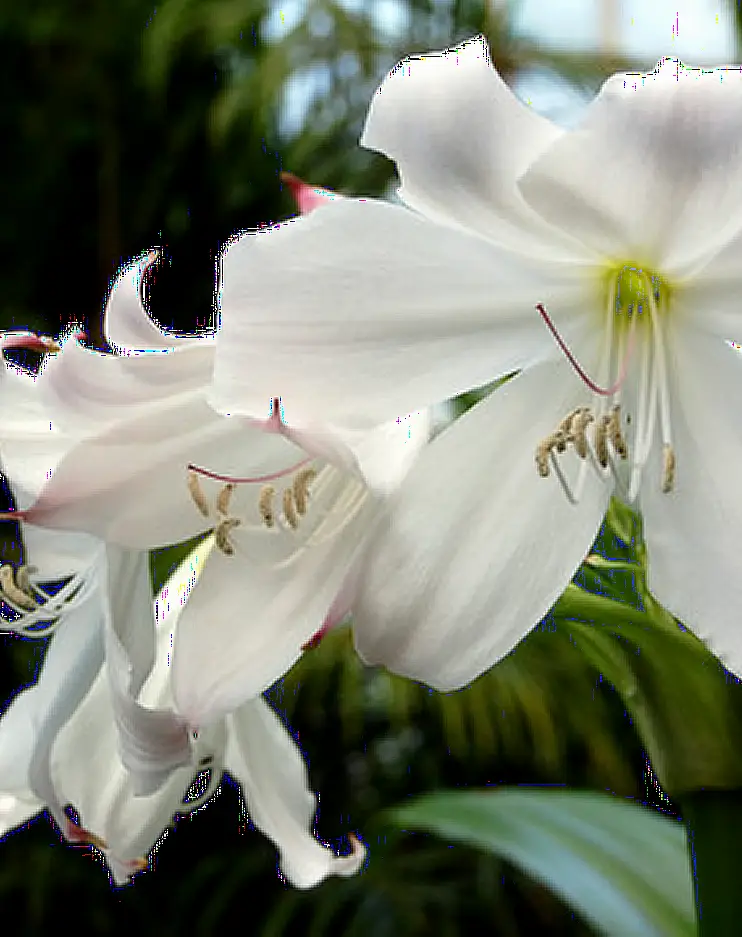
633	357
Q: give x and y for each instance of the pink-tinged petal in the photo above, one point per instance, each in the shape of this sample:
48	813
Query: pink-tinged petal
307	197
644	175
460	139
87	390
130	483
263	758
29	341
475	546
365	311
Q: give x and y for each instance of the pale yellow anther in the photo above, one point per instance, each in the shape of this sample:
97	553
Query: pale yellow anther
289	509
578	430
223	498
543	451
566	424
10	589
302	481
197	494
601	440
222	532
23	579
668	468
265	505
614	431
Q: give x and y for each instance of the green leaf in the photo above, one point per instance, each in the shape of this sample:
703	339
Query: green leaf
622	867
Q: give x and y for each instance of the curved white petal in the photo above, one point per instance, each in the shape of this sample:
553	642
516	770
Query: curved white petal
34	719
708	298
364	311
460	139
652	173
15	811
129	484
245	624
126	324
692	533
153	740
474	547
81	385
263	758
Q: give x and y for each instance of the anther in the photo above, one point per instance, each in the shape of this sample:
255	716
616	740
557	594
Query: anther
601	440
265	505
543	451
221	535
223	498
10	588
668	468
301	489
614	431
196	492
577	430
289	510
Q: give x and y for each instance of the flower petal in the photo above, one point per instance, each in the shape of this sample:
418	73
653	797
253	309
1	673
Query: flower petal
692	533
363	311
130	484
474	547
153	741
263	758
644	177
15	811
83	385
245	624
126	324
31	724
460	139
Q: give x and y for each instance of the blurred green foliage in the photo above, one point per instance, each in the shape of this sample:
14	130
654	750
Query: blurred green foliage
128	126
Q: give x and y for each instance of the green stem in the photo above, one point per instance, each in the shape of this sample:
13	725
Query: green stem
713	821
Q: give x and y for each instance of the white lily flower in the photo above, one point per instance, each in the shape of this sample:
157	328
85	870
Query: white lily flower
291	508
602	263
86	769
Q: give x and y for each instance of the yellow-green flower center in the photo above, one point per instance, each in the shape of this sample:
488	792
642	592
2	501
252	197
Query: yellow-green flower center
633	299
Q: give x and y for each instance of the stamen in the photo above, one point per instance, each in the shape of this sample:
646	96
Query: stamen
668	468
602	391
301	489
577	430
221	535
614	431
289	511
16	595
543	451
601	440
224	497
265	505
196	492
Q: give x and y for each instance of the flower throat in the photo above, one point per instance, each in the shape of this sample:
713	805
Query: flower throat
637	300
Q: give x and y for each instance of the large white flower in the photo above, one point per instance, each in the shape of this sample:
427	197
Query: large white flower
603	264
138	458
59	743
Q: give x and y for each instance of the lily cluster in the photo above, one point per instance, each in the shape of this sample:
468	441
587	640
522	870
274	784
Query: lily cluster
592	264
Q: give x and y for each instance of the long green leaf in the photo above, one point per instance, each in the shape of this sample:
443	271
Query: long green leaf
625	869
